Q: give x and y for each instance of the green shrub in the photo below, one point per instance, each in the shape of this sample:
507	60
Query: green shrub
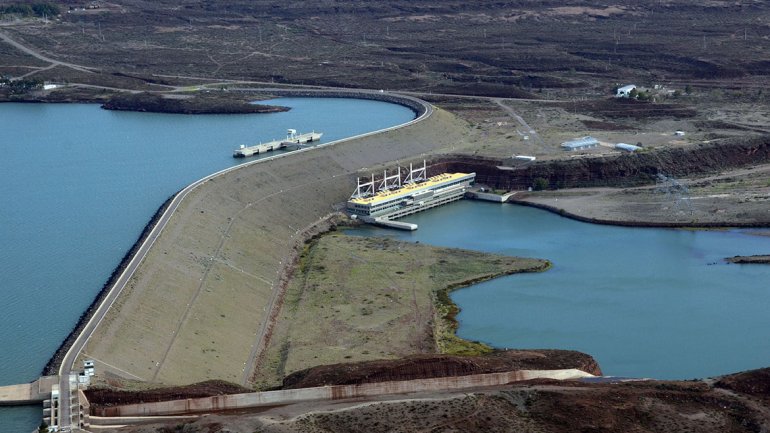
540	184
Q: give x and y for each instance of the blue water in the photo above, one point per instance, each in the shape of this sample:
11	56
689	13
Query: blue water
644	302
77	186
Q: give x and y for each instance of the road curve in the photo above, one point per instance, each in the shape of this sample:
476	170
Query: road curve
68	361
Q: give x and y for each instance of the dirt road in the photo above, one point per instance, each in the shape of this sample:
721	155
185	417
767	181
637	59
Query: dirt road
7	39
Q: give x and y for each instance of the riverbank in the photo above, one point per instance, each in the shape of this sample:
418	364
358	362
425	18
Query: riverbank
725	184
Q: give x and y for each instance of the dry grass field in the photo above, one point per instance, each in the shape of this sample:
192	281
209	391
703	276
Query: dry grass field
355	299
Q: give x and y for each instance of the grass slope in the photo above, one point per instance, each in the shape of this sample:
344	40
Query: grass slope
356	299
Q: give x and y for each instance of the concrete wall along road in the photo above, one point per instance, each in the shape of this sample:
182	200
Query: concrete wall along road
289	396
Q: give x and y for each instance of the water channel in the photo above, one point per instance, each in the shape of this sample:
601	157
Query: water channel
644	302
78	184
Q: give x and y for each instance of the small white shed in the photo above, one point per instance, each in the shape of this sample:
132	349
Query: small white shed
625	91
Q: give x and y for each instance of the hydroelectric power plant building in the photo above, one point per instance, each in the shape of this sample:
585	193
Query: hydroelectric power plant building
395	197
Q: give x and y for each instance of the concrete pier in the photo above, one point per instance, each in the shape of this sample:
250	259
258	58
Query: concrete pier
292	139
395	224
27	393
489	196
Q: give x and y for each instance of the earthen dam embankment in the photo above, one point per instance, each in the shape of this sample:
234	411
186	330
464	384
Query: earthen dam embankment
420	108
220	264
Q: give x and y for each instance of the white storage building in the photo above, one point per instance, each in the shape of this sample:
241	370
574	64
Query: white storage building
625	91
580	143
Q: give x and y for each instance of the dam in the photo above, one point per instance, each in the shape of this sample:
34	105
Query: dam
113	198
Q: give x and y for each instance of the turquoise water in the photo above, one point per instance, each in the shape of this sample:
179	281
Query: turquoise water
78	184
644	302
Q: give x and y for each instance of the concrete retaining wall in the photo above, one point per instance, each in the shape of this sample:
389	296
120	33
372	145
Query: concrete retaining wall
282	397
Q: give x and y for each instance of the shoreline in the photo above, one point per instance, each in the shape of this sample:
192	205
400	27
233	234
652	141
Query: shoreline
53	364
447	310
639	224
174	105
761	259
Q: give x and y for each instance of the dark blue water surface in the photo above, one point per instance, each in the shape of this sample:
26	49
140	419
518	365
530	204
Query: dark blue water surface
644	302
77	186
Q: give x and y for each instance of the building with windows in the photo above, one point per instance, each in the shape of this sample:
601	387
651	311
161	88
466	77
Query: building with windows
394	198
586	142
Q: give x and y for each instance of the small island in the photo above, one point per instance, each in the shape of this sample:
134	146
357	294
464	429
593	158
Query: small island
758	259
198	103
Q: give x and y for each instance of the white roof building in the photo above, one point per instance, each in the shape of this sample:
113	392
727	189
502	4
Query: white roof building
625	91
580	143
627	147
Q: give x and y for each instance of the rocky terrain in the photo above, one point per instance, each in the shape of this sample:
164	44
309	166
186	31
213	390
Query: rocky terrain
104	396
624	170
429	366
512	48
759	259
197	103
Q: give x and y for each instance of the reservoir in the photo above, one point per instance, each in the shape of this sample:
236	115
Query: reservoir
78	184
657	303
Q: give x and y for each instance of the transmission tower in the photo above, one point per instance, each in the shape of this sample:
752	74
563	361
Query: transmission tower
674	191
